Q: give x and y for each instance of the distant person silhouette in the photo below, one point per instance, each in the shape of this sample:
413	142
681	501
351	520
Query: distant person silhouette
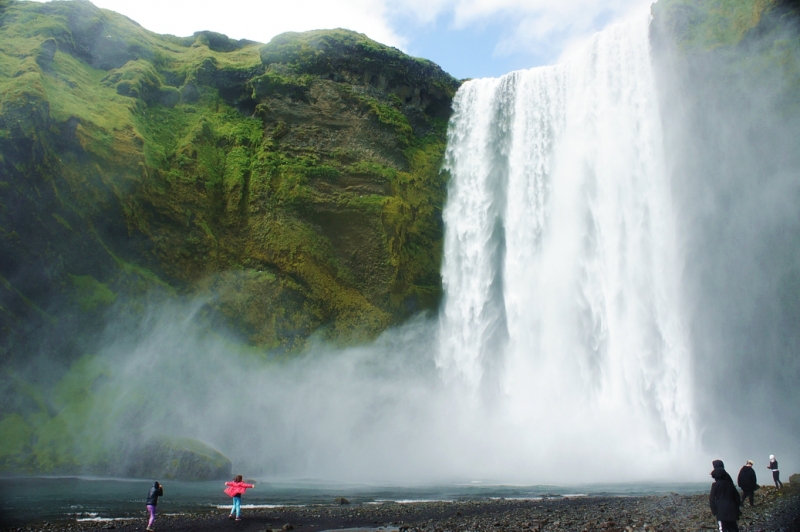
235	489
776	474
724	499
747	481
152	501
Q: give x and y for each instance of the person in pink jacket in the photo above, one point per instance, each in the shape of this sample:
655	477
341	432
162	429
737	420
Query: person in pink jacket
235	490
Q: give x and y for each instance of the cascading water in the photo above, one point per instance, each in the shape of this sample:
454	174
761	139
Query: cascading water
561	264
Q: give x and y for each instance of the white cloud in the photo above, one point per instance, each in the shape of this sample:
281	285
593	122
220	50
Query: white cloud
532	25
262	19
421	11
258	20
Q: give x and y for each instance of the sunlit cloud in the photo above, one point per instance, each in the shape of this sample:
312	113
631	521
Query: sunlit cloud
258	20
530	22
537	24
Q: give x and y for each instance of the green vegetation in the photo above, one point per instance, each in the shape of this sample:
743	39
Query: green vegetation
708	24
91	293
180	458
75	427
44	437
227	156
745	42
294	185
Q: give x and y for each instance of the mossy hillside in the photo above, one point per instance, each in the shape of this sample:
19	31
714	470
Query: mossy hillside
91	293
344	55
70	151
746	47
47	433
709	24
178	458
301	200
82	425
189	158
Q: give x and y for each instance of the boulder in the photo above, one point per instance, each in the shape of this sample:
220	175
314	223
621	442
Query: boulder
177	458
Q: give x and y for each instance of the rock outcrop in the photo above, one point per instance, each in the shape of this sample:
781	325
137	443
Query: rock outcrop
177	459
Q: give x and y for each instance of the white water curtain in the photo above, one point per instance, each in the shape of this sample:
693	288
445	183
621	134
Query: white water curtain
562	266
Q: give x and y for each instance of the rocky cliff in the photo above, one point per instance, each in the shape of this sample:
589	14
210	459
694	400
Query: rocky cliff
294	186
283	190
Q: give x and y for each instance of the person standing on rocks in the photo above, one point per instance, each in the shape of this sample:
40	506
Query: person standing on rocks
776	474
235	489
747	481
724	499
152	501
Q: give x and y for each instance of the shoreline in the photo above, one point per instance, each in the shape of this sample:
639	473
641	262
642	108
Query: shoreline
775	510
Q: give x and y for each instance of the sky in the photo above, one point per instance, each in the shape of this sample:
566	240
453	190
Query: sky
467	38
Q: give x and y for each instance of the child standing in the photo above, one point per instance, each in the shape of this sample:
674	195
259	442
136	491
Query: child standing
152	501
235	489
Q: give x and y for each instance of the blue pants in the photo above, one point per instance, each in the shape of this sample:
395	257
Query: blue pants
237	505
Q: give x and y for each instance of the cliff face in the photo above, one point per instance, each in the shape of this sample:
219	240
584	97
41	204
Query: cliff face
294	185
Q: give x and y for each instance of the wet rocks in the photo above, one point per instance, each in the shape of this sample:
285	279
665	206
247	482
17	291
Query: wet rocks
774	510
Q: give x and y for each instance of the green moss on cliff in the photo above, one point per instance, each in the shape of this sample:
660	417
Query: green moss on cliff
311	162
293	185
15	437
91	293
708	24
748	47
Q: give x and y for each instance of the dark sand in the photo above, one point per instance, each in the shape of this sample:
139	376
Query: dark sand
774	511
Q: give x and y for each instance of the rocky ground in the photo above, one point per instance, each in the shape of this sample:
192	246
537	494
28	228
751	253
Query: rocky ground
775	510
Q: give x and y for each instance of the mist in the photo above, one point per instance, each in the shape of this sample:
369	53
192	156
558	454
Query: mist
732	132
379	413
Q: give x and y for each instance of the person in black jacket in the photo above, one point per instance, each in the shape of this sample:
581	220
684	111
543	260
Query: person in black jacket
776	473
152	501
724	498
747	481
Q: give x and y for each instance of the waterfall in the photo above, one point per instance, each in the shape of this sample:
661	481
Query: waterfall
562	266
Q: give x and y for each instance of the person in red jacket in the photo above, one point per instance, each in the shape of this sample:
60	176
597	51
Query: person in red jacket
235	490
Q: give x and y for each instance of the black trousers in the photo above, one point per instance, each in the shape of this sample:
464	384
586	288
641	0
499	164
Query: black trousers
728	526
776	476
746	494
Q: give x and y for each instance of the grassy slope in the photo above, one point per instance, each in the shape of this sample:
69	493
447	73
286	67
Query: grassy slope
132	162
749	38
171	135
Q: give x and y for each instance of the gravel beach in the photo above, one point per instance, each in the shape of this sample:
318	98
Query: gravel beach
775	510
